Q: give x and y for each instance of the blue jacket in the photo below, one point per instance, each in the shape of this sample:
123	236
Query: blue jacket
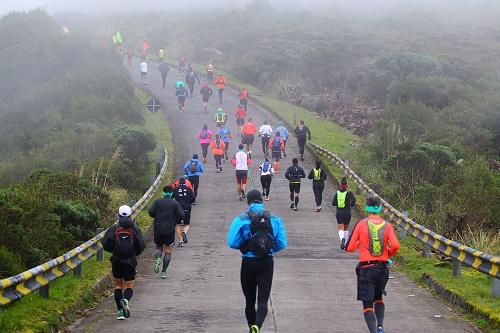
239	231
198	172
282	131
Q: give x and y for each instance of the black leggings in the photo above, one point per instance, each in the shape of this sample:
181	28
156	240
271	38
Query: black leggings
218	161
220	94
265	181
195	180
318	193
302	144
191	88
265	144
226	148
204	149
256	281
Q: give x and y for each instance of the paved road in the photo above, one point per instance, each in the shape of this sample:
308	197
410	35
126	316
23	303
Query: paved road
314	285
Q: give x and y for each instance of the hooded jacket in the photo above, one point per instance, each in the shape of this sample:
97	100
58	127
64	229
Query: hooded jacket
239	231
108	242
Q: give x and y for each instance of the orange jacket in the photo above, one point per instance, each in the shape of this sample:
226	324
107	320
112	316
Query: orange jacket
240	112
282	143
177	183
360	238
249	128
218	151
220	82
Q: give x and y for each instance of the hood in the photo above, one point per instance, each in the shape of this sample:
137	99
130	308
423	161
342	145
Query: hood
256	208
126	222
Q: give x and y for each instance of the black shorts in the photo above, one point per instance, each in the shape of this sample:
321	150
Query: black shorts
241	176
187	218
123	271
372	281
294	187
276	155
343	218
240	121
164	240
205	99
181	99
243	102
247	139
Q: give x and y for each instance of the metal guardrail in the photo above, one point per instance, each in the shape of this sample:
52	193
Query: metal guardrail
459	253
39	277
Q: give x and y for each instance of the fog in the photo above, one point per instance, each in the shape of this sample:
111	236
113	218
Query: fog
348	6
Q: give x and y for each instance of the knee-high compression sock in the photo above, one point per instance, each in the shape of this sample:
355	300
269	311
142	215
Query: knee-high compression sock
379	311
370	319
291	197
296	201
118	298
166	261
128	294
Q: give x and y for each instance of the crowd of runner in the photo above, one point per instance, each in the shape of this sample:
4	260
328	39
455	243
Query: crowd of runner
256	233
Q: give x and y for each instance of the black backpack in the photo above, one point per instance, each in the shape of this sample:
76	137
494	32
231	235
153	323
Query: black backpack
261	241
124	243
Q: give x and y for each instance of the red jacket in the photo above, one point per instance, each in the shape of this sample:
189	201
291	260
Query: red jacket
176	184
240	112
244	94
249	128
220	82
360	238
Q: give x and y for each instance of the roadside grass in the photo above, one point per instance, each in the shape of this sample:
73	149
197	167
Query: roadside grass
69	295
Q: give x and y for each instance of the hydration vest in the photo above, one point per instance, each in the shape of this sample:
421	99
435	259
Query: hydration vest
377	240
341	196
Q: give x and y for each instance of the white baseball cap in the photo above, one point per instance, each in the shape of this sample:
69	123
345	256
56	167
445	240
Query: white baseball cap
125	211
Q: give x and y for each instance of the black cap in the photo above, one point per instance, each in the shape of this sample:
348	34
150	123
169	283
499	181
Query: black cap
254	196
343	181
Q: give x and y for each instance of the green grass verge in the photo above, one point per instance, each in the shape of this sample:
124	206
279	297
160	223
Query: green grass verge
69	294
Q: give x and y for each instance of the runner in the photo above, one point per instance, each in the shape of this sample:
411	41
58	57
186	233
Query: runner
210	72
249	131
318	176
205	136
302	132
220	83
181	94
164	69
218	148
206	92
161	55
182	63
266	177
175	185
126	242
377	242
145	49
257	265
226	136
277	145
220	118
130	55
244	98
240	114
265	132
191	79
193	169
166	213
283	131
144	70
294	173
344	200
241	161
184	195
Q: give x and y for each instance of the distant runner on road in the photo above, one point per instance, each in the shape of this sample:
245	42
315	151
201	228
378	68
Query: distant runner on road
161	55
302	132
220	83
184	195
244	98
164	69
205	137
166	213
377	242
144	70
241	161
249	130
191	79
344	200
318	176
206	92
220	118
193	169
258	234
283	131
277	145
240	114
210	72
294	174
265	133
218	148
126	242
181	94
226	136
266	177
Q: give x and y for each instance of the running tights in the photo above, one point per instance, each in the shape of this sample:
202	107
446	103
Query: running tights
226	148
256	282
265	181
318	194
218	162
195	180
265	144
204	149
374	314
302	144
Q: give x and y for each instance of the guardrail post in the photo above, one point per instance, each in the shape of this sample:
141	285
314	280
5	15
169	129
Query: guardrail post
44	291
426	253
495	288
77	272
402	230
100	252
457	268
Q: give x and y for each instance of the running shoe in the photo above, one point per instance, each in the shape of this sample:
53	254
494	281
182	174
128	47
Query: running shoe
181	244
184	237
254	329
380	329
266	198
342	244
163	275
126	308
156	269
243	195
292	205
220	169
284	155
217	170
120	315
295	208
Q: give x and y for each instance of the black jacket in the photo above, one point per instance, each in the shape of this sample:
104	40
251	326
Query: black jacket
350	201
166	212
191	77
108	242
294	173
302	135
322	177
163	68
206	91
184	196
